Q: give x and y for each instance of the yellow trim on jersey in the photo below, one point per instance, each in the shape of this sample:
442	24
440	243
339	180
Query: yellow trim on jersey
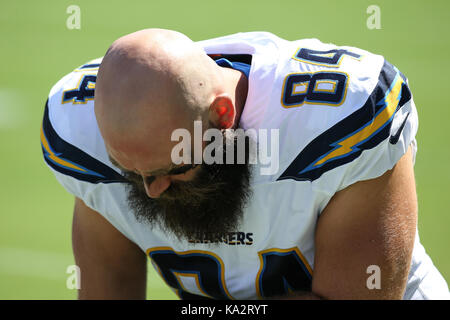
54	157
261	264
392	99
332	90
344	95
296	85
208	253
197	281
177	291
76	88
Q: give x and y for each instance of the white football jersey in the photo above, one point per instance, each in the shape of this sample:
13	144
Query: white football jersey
343	115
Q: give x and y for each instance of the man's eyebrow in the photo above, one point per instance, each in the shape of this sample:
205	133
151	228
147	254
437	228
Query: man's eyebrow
181	169
150	173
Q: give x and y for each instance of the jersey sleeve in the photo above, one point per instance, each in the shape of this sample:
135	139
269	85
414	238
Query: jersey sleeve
366	143
73	149
392	128
69	159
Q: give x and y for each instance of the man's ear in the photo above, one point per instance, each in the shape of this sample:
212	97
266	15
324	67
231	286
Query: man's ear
222	112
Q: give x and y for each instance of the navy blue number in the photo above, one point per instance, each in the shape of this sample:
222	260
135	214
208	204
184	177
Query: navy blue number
327	88
205	269
84	91
331	58
282	272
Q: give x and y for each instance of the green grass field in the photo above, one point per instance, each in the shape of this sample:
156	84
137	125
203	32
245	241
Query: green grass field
38	49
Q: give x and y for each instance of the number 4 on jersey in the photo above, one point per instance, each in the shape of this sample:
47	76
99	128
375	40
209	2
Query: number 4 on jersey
328	58
83	92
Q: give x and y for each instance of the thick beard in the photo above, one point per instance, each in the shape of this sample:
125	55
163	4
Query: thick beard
212	203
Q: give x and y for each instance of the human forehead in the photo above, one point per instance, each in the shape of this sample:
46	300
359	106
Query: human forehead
149	145
140	159
149	161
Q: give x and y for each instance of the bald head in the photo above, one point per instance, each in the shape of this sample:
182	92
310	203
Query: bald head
150	83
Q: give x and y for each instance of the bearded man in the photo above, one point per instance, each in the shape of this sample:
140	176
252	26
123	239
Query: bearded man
337	220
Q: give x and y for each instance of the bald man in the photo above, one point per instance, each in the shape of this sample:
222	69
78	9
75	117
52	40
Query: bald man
337	220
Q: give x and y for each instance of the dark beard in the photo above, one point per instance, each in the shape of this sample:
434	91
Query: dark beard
212	203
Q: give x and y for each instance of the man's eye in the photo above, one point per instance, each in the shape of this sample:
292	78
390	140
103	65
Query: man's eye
181	170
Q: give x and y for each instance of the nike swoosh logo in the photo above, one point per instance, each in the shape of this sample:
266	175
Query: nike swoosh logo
395	137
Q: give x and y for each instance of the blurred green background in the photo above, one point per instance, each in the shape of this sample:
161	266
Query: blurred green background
37	49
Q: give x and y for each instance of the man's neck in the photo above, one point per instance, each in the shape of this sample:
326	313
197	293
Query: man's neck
239	88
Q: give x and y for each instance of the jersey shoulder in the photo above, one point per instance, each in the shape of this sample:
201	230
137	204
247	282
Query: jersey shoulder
242	43
70	139
350	105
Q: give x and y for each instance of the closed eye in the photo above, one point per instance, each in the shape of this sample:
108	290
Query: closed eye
173	172
136	178
182	169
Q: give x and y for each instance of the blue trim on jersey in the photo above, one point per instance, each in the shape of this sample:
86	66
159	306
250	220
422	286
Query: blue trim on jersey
69	160
88	66
240	66
306	167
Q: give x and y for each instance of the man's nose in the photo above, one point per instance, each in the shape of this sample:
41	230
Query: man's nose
157	186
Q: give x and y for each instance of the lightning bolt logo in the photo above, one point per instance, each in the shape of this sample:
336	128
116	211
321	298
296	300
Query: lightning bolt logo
350	143
54	157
